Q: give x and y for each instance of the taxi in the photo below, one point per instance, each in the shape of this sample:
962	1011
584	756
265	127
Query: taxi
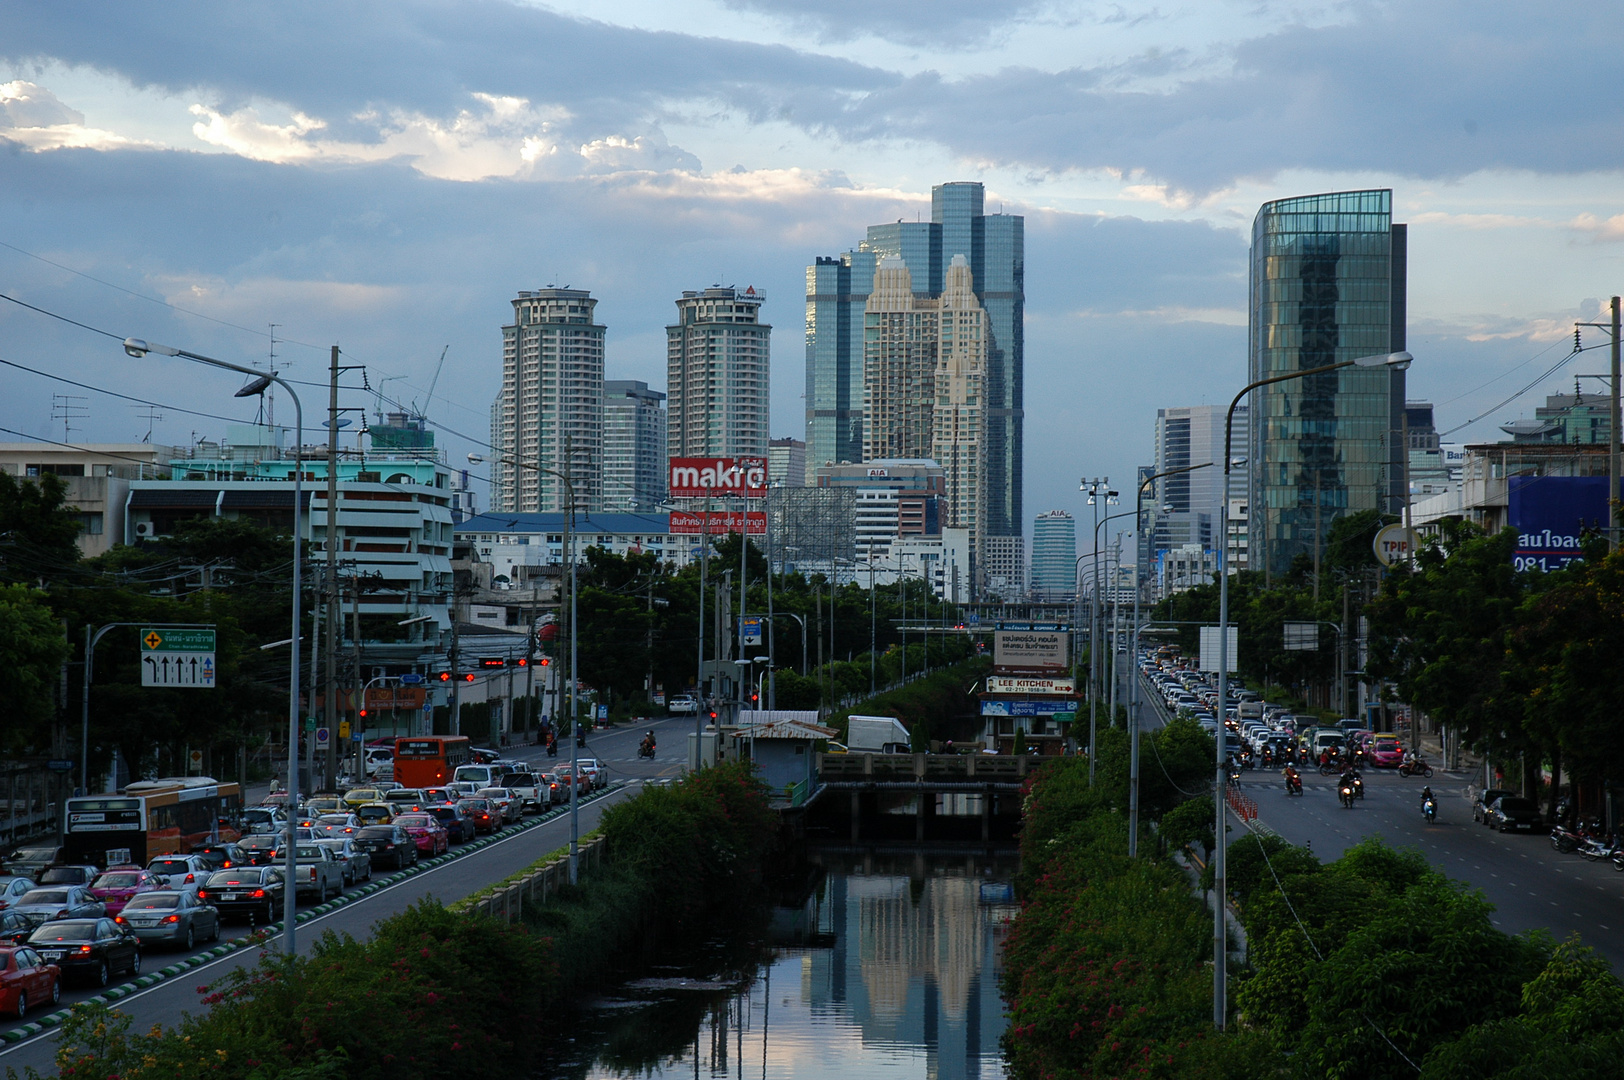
115	887
358	797
375	813
1385	752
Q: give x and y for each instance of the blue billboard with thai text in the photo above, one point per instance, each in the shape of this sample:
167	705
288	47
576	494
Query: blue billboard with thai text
1552	514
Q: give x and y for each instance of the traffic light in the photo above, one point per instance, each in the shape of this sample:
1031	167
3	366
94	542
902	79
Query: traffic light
523	661
492	662
468	677
445	676
363	714
546	661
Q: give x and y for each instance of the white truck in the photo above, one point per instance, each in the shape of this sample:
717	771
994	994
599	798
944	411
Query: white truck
877	735
316	872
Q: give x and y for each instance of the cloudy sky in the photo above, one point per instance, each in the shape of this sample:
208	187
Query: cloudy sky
385	176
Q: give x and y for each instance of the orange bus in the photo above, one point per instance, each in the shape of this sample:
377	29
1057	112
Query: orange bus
430	760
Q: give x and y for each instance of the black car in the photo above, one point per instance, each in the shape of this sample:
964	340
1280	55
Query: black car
222	856
457	826
388	844
260	850
15	928
69	875
254	893
1513	813
91	949
1483	805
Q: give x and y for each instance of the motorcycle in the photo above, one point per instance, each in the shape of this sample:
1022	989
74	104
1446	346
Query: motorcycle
1328	768
1596	848
645	749
1294	785
1415	768
1234	774
1359	787
1429	808
1565	840
1618	860
1344	792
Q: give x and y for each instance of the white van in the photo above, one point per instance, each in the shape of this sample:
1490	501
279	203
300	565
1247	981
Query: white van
483	775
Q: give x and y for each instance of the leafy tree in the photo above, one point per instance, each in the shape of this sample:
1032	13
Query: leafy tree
32	650
39	533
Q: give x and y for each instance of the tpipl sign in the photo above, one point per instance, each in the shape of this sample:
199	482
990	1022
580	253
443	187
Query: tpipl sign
695	478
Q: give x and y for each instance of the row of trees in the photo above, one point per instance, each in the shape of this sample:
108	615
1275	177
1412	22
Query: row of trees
638	621
1372	965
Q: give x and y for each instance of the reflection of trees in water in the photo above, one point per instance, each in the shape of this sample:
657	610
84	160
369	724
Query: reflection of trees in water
909	928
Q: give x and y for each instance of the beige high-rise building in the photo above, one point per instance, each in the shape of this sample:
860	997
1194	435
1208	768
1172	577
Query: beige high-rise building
924	383
718	366
552	394
957	423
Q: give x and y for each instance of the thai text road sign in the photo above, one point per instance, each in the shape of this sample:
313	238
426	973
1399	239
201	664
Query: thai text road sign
177	657
750	629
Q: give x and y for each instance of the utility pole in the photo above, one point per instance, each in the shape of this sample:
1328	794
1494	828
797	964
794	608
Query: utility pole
1615	447
335	619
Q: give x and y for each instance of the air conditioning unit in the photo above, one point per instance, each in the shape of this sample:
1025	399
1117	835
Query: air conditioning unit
144	528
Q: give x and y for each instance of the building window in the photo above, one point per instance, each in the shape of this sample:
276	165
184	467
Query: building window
91	524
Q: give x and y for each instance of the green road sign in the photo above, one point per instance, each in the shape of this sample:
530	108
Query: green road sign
1064	717
157	639
310	724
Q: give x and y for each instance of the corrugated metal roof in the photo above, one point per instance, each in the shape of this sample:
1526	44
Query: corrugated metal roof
801	730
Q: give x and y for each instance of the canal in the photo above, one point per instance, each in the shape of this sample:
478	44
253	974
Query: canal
885	969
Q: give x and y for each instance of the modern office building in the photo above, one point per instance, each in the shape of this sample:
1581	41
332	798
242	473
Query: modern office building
552	395
899	365
1054	557
958	433
1328	284
717	375
993	245
786	463
634	472
1183	568
895	497
1004	575
1185	508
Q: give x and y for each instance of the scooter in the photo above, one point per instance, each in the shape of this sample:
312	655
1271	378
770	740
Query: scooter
1415	768
1294	785
1344	792
1429	808
645	749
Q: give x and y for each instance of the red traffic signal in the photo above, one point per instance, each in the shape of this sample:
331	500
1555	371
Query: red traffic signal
492	662
523	661
363	714
445	676
468	677
546	661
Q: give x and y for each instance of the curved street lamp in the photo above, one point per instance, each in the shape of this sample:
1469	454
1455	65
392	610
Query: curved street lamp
258	384
1220	929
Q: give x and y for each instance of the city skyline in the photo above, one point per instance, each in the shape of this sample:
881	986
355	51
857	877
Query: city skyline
343	202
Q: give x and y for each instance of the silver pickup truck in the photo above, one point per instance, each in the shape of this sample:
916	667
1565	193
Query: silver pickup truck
317	873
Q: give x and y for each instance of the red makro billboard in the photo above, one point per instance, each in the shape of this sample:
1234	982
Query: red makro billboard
720	522
695	478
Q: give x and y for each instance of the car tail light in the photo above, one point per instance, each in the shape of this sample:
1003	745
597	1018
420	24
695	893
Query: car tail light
167	918
190	878
84	948
202	894
118	918
258	893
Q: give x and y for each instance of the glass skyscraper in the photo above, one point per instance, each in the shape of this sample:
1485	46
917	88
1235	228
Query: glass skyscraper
837	289
1327	285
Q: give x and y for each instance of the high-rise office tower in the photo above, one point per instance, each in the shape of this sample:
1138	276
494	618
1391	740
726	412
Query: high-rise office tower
717	368
1188	505
552	392
899	366
958	430
1054	556
1328	283
633	446
837	291
786	463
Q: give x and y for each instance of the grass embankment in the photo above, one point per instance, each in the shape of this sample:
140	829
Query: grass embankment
435	993
1372	965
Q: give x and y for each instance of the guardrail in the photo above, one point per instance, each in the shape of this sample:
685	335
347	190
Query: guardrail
923	768
507	902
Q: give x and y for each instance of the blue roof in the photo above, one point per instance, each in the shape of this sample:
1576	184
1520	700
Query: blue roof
554	522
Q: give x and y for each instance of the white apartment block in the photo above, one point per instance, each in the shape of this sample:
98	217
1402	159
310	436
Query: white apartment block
552	396
718	365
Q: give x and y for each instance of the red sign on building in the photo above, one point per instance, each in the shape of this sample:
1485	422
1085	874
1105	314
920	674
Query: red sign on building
695	478
688	523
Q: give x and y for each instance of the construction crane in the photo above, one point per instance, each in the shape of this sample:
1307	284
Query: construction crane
429	400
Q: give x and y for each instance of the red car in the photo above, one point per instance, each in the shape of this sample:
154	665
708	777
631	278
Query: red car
1385	752
27	980
485	817
432	837
119	883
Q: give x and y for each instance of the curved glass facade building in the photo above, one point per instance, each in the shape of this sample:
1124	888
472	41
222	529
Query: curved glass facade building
1327	284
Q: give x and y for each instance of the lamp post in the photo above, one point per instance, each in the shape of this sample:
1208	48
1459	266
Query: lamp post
575	678
1095	667
1220	929
137	348
1133	657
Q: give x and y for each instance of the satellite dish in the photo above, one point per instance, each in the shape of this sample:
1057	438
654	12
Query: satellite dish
343	423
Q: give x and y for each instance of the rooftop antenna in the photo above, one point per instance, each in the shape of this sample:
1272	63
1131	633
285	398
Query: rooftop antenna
268	399
151	415
68	408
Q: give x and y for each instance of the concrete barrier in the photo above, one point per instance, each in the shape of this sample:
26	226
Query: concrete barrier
536	887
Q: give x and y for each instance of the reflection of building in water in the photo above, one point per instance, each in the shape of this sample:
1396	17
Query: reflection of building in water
914	963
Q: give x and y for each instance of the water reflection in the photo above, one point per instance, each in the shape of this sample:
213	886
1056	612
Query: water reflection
887	970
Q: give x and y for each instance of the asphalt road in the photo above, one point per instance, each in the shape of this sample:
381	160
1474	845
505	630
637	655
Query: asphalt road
1532	886
166	1002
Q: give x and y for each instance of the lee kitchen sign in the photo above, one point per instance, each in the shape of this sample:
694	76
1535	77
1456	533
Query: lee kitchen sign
1015	684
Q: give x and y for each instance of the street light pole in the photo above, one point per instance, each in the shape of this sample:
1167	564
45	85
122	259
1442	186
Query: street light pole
1220	928
1133	659
137	348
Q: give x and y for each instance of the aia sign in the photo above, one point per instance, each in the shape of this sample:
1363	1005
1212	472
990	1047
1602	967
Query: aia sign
695	478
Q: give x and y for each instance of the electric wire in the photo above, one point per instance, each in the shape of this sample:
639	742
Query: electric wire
115	393
1546	374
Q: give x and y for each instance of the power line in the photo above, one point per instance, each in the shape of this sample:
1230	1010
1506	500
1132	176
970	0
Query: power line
1552	370
115	393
